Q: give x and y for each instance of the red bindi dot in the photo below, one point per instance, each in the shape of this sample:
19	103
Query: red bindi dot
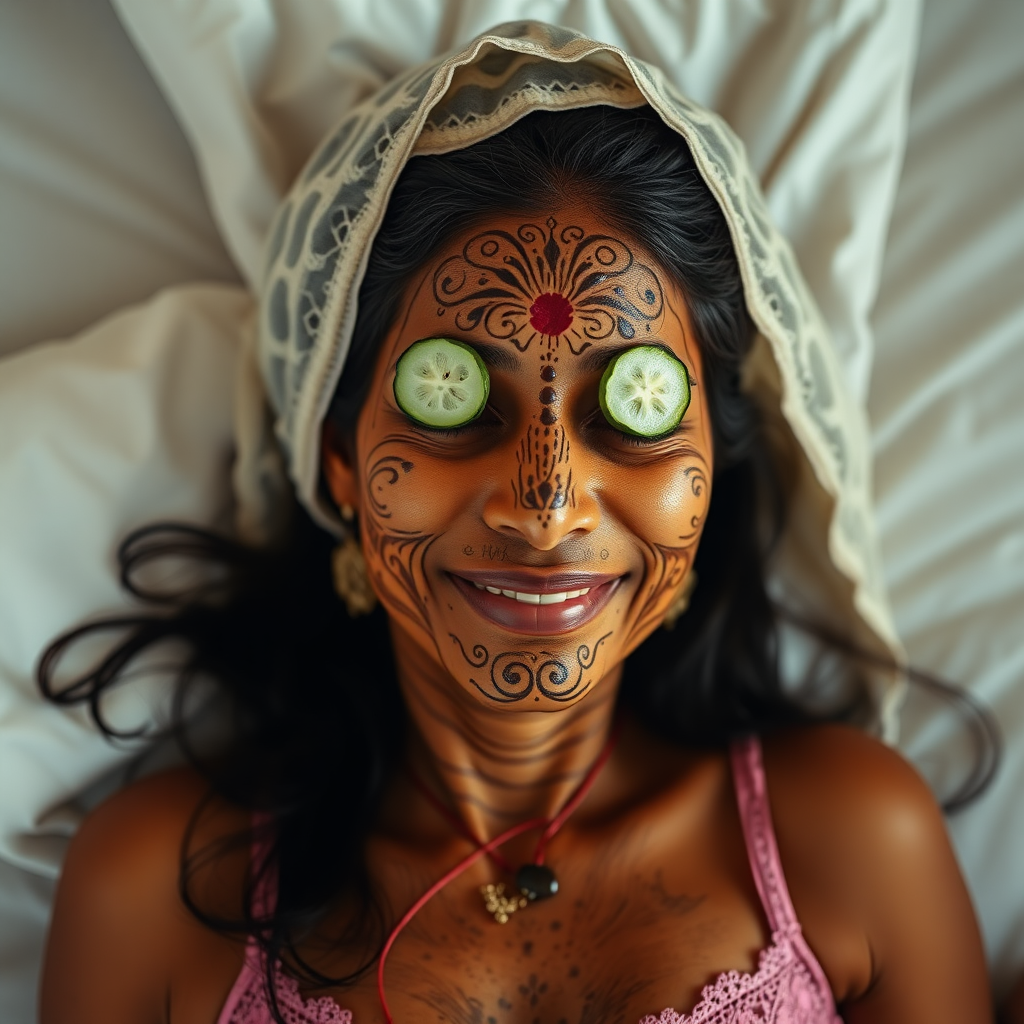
551	314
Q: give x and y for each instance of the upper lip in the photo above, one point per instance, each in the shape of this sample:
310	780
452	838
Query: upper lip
536	583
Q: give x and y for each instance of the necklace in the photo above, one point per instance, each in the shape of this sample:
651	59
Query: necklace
534	880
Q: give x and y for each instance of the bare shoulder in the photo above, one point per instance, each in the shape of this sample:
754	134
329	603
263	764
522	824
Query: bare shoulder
130	848
849	812
874	878
859	790
119	926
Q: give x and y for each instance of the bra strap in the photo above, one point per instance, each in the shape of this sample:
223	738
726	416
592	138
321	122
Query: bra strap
759	834
264	893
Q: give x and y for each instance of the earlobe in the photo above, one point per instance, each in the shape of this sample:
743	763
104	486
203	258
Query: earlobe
336	461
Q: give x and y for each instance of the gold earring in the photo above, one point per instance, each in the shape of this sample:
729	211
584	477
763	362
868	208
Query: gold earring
351	579
681	601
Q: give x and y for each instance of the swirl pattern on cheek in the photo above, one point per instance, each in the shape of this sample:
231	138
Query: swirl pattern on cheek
549	282
514	675
398	554
670	563
698	482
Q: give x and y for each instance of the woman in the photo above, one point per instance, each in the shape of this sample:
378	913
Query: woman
509	794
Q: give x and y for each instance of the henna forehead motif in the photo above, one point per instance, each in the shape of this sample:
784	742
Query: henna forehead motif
549	282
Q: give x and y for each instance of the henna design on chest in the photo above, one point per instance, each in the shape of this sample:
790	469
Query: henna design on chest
548	282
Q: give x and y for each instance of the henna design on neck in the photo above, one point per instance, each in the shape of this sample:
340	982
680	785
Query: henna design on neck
514	675
548	282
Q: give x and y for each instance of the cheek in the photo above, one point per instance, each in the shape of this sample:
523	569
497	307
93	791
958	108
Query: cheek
408	491
670	504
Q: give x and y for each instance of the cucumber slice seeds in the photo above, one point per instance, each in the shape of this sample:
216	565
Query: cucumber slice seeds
441	383
644	391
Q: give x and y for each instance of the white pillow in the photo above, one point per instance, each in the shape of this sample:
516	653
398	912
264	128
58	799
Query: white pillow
130	422
100	200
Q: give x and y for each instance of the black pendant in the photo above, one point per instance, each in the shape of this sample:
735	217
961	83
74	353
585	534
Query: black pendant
536	882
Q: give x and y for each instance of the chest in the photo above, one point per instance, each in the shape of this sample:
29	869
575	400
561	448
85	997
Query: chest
626	936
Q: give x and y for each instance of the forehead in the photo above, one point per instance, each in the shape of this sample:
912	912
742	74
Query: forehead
562	286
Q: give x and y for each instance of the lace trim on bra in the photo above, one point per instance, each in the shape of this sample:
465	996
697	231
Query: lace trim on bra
781	991
253	1004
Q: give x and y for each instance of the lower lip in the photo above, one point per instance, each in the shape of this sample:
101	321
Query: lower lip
537	619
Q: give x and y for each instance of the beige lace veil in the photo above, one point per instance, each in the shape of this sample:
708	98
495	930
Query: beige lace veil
828	563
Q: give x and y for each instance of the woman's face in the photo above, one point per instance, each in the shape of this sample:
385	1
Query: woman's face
530	551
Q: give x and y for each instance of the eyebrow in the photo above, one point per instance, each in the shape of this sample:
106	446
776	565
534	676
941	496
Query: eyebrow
598	359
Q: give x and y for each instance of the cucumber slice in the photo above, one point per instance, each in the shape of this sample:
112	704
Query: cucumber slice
644	391
441	383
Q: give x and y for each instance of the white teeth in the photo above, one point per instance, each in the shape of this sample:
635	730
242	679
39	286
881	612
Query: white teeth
526	598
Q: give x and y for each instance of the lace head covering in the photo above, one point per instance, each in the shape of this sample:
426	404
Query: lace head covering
828	559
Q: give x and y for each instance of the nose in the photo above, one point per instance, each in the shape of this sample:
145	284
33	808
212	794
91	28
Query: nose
542	492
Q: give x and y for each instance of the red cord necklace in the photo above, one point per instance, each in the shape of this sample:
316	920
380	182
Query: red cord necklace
534	880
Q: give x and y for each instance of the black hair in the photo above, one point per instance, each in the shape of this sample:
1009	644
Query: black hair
312	746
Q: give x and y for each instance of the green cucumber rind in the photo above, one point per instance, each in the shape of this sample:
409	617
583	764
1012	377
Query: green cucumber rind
670	422
409	409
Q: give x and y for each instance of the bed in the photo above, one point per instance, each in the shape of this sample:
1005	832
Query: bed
142	150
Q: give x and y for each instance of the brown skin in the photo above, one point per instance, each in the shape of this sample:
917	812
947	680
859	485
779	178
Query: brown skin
657	897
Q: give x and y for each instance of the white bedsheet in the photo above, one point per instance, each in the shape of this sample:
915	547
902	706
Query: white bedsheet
948	422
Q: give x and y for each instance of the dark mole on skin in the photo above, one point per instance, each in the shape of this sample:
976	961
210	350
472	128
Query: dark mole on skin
574	972
527	948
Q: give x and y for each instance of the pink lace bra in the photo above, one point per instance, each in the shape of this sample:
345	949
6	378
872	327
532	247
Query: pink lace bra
788	987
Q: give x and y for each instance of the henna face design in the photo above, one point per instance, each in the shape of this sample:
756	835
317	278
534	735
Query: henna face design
669	564
512	676
525	554
544	481
553	283
397	570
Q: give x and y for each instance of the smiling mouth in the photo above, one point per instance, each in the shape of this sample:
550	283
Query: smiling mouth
535	605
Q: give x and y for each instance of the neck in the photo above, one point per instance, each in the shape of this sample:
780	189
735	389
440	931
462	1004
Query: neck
495	766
